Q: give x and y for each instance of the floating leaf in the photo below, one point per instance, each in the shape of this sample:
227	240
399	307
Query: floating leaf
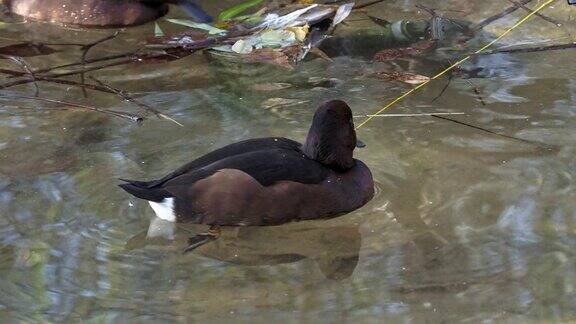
189	23
242	47
267	55
342	13
27	49
395	53
157	30
277	38
318	52
274	21
410	78
238	9
274	103
299	32
271	86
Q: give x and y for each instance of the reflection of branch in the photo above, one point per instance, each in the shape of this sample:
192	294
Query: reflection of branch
20	61
126	97
538	144
76	105
504	13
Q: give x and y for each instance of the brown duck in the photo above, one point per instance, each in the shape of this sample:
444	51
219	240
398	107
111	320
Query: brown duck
267	181
100	13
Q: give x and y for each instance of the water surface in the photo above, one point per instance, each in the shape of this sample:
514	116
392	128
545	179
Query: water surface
466	226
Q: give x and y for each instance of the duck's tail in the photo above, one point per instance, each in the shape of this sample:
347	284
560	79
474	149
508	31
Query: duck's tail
142	190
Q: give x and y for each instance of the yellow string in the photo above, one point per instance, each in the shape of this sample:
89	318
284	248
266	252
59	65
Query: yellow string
407	93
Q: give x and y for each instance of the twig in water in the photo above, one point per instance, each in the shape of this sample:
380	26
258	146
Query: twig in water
548	19
128	98
450	76
367	4
503	13
531	49
85	49
77	105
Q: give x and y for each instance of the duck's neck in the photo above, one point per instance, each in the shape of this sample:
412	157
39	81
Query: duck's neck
328	151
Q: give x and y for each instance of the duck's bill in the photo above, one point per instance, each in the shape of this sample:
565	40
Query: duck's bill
360	144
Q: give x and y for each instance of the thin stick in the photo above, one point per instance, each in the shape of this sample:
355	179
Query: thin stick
450	76
411	115
88	61
76	105
367	4
548	19
503	13
128	98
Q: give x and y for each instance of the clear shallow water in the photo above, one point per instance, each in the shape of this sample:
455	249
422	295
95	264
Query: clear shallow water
466	226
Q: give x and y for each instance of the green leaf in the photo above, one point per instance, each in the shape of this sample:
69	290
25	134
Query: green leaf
158	31
189	23
238	9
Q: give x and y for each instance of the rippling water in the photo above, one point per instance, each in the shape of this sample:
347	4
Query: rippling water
466	226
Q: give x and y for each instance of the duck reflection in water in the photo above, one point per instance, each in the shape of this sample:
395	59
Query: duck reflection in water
335	248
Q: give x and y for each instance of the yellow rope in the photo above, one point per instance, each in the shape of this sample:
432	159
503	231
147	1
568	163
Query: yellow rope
407	93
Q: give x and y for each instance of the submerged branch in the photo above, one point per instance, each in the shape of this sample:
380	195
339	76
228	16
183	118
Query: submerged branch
124	115
530	49
548	19
502	14
86	49
140	104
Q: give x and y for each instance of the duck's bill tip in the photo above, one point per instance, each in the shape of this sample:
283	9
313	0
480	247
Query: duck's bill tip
360	144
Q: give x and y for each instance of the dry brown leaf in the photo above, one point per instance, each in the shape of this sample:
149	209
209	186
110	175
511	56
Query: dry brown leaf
395	53
271	86
406	77
267	55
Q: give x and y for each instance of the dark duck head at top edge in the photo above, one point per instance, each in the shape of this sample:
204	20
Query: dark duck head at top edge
268	181
101	13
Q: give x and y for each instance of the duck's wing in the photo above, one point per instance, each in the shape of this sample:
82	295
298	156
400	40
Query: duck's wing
265	166
239	148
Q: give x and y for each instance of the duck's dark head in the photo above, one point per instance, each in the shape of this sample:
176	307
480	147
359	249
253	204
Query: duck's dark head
331	139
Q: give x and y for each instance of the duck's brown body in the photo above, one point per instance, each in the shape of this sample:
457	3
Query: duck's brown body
95	13
267	181
231	197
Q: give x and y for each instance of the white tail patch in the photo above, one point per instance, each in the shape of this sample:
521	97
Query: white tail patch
164	209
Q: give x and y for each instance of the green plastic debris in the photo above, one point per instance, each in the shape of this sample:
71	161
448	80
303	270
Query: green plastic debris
158	31
189	23
238	9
